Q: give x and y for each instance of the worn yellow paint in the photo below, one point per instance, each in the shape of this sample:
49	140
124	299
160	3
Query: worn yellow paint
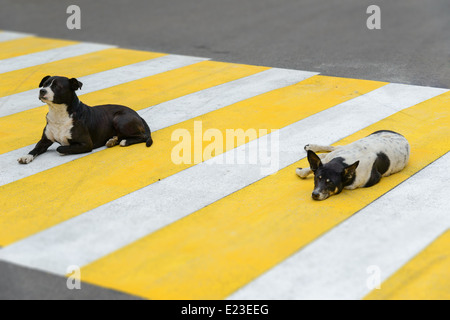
27	45
48	198
220	248
29	78
146	92
425	277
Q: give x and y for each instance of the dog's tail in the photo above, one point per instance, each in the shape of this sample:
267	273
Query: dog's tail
149	142
148	134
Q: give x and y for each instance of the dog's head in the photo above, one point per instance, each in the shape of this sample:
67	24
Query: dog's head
58	90
330	178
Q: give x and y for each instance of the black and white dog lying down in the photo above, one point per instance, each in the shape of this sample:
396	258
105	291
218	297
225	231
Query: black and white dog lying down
359	164
79	128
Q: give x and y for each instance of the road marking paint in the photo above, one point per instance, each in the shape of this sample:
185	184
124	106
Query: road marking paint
8	35
220	248
41	57
170	112
178	110
28	100
28	79
29	45
425	277
173	111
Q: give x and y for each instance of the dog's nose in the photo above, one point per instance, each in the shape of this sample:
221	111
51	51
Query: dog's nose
315	195
42	92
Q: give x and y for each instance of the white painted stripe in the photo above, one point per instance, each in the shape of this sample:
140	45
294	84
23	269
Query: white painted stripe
386	234
131	217
9	35
196	104
29	99
51	55
165	114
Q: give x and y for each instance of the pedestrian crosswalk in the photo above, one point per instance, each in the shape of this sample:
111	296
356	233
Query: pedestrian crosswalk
135	221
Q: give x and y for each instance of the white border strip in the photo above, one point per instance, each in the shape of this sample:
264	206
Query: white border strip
164	114
382	237
102	80
41	57
127	219
9	35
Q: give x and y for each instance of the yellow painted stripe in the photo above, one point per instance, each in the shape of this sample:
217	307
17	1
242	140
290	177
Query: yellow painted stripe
425	277
27	45
215	251
45	199
147	92
29	78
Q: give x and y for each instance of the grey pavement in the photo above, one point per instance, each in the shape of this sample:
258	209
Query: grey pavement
331	37
19	283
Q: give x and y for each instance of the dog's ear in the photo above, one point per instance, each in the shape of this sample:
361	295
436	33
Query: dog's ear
349	172
75	84
314	161
41	84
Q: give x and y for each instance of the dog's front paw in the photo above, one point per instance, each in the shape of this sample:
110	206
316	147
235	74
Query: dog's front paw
26	159
303	172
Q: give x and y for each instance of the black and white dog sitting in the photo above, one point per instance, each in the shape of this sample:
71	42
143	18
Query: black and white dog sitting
79	128
359	164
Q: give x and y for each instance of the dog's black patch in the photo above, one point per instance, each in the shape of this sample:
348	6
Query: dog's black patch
380	166
381	131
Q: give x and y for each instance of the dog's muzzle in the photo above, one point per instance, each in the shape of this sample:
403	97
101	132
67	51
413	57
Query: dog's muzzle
42	94
316	195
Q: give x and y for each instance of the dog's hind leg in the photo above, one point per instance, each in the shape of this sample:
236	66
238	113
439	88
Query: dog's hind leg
130	130
318	148
76	148
132	140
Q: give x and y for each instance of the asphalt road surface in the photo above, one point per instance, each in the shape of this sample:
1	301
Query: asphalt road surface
330	37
